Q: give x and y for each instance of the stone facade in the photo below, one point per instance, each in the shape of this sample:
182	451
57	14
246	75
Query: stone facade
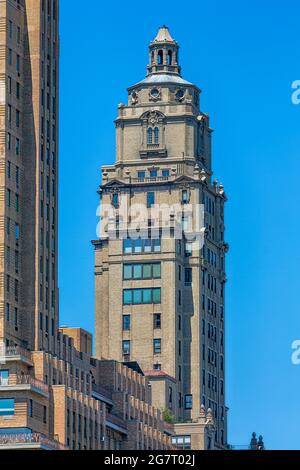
170	319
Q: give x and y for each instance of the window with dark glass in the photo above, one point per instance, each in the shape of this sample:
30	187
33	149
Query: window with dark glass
149	136
141	246
115	200
7	406
157	321
188	402
157	346
142	271
182	442
170	395
126	348
188	276
30	408
153	173
141	296
4	377
184	196
126	322
188	249
150	199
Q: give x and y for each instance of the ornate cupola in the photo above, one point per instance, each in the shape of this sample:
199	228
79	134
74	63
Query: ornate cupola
164	54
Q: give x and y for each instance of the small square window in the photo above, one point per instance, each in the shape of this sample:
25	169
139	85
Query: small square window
137	245
127	246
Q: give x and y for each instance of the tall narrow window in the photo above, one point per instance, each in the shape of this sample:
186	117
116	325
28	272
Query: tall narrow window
115	200
149	135
150	199
169	57
30	408
157	346
126	348
7	311
156	135
4	377
16	318
157	321
184	196
188	402
126	322
160	56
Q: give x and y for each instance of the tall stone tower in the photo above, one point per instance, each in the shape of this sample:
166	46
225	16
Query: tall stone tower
158	301
28	173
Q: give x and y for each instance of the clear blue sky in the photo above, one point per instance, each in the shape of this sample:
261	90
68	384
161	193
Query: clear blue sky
244	55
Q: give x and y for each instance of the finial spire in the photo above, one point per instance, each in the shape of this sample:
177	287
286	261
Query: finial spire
164	35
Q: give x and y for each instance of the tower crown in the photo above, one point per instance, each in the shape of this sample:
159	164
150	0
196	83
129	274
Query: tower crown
163	53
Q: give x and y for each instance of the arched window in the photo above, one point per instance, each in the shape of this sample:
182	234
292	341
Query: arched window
156	135
149	138
160	57
169	57
152	57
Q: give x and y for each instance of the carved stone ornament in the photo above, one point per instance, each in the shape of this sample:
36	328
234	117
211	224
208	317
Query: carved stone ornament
155	94
134	97
153	118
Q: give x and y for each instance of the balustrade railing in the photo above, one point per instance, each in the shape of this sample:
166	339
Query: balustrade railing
13	351
24	380
30	438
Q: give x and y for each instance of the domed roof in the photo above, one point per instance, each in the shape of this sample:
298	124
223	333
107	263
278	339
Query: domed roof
163	79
